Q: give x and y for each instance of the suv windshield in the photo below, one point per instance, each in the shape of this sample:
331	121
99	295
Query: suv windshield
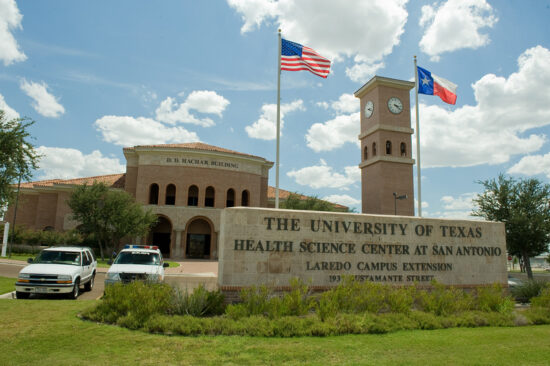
58	257
138	258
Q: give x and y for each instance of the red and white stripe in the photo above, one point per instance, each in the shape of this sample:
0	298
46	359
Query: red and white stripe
444	89
310	61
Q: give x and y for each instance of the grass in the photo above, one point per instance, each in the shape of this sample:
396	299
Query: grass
7	285
48	332
100	263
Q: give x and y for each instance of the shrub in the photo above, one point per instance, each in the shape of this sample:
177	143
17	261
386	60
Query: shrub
441	300
136	302
543	298
538	315
493	299
527	290
200	302
297	301
256	299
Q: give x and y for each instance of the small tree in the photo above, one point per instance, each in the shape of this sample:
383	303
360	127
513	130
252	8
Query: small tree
524	206
17	155
109	215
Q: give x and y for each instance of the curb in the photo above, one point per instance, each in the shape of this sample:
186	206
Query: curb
9	295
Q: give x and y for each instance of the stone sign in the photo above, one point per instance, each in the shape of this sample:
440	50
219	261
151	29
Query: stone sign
268	246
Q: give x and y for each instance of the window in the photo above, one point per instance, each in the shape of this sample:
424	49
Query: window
230	202
193	196
154	194
209	197
365	155
374	149
403	149
170	194
244	198
388	147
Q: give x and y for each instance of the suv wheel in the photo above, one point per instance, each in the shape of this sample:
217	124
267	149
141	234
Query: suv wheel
73	295
90	285
22	295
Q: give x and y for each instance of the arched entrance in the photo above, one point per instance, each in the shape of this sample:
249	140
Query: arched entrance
198	239
161	235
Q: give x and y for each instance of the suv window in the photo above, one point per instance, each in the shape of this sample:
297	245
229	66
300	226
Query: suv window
58	257
127	257
86	259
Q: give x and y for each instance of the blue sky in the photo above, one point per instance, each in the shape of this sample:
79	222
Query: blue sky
98	76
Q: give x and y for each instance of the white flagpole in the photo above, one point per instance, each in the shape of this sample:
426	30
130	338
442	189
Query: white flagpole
278	122
418	185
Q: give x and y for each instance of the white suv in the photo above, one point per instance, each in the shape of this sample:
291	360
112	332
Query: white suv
58	270
137	262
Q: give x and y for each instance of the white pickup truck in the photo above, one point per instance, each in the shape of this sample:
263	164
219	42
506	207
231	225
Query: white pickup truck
58	270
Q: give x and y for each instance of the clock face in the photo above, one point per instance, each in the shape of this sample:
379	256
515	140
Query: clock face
394	105
369	108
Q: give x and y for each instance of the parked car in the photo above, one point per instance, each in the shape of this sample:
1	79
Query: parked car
58	270
137	262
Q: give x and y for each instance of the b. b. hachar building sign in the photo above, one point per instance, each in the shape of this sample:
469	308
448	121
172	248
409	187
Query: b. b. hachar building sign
267	246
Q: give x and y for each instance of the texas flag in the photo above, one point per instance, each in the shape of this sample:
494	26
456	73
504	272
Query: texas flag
431	84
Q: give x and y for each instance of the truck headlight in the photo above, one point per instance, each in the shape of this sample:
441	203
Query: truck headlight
113	276
64	279
24	277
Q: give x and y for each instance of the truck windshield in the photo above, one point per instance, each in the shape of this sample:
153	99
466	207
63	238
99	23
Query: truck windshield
58	257
138	258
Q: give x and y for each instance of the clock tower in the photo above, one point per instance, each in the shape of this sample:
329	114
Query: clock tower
386	150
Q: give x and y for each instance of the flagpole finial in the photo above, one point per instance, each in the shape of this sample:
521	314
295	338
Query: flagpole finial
415	57
279	30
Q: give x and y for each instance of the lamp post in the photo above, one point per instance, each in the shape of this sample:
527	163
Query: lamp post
15	213
395	198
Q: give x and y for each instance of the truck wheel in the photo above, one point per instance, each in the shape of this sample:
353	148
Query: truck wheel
73	295
22	295
90	285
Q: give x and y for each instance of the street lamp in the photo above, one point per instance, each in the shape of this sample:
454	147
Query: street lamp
395	198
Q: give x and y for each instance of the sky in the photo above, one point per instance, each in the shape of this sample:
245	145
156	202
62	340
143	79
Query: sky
97	76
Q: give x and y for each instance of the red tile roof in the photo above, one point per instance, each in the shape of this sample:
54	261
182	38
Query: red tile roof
111	180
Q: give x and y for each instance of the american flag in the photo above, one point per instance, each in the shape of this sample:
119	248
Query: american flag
295	57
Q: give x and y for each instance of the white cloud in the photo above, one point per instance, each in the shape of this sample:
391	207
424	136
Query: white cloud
203	101
44	102
10	19
347	103
334	133
64	163
322	176
9	112
462	202
331	28
130	131
265	128
494	129
532	165
454	25
342	199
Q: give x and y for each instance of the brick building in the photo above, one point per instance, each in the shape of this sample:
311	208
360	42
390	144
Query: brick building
185	185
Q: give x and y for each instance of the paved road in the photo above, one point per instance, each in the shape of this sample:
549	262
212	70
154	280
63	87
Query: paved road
12	270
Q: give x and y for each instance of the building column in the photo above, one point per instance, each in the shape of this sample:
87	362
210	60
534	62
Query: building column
178	244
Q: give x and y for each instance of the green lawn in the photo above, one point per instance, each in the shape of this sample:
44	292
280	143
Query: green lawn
7	285
48	332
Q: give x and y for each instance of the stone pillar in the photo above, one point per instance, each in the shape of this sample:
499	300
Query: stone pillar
178	244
